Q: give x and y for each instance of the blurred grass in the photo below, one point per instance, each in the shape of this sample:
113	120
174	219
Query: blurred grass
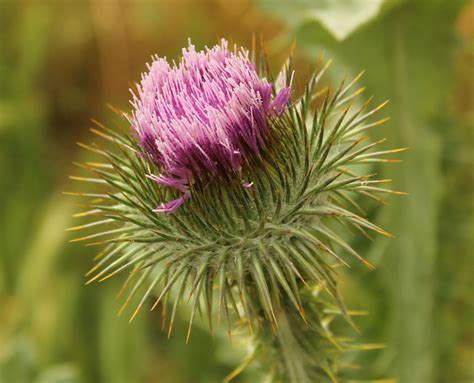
61	62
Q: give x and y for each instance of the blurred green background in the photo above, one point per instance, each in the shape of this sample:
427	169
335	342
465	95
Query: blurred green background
62	61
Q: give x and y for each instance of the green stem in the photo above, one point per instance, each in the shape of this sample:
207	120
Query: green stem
300	352
290	351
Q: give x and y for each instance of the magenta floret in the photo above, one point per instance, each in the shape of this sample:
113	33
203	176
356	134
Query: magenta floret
203	115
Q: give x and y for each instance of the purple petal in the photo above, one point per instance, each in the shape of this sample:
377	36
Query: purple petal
171	206
281	101
179	184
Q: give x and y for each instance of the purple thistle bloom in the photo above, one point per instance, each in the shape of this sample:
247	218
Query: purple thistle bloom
203	115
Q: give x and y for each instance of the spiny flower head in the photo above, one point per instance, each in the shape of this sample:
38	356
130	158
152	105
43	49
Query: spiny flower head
273	184
202	116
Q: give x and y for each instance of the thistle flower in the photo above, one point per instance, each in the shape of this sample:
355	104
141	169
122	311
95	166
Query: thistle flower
269	186
200	117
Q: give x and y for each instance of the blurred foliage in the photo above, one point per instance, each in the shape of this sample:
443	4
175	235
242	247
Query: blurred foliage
339	17
62	61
